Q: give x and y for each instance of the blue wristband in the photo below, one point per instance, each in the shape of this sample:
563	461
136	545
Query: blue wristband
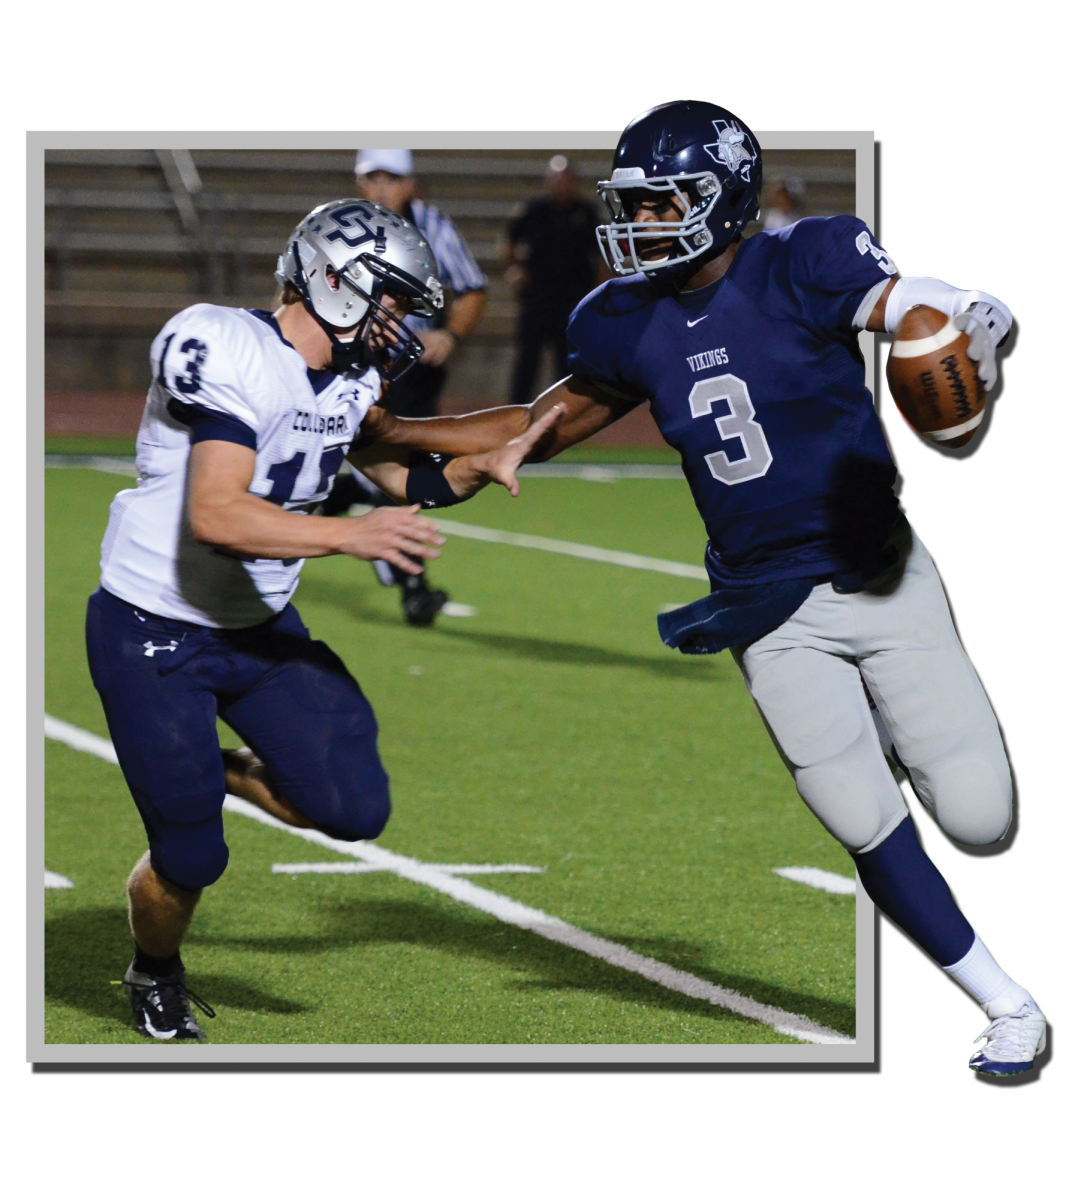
426	485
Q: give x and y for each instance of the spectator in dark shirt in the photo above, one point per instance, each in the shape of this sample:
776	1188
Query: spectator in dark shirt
551	264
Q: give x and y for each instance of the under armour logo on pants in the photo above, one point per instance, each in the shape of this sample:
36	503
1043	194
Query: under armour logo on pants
150	649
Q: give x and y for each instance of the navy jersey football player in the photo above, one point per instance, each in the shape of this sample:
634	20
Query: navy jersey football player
748	352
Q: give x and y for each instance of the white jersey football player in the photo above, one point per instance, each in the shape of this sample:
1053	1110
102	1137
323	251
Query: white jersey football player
248	419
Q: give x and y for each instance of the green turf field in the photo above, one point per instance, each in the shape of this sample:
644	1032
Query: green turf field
552	729
81	443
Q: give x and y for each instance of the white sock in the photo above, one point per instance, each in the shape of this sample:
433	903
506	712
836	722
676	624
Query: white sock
981	977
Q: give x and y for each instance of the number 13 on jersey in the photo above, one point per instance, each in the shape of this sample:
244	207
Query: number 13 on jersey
738	423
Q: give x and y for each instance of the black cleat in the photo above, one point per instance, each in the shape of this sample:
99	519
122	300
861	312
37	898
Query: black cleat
421	604
161	1006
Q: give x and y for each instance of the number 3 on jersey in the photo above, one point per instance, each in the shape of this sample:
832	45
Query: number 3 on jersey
739	423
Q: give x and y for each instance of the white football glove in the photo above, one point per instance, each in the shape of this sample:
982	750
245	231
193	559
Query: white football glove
987	327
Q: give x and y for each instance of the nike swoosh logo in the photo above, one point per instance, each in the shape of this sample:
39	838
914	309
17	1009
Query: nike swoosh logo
157	1033
697	321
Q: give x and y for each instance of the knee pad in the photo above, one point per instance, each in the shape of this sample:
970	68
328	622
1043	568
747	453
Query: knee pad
970	798
846	806
360	814
185	832
357	803
190	856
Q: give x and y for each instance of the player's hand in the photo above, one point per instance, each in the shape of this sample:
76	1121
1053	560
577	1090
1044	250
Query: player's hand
982	348
438	347
500	466
398	535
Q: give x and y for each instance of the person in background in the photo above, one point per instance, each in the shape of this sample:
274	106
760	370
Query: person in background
386	177
786	204
551	262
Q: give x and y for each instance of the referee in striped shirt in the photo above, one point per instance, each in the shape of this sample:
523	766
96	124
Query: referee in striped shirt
386	176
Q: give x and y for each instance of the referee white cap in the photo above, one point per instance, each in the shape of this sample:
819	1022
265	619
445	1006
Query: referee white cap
397	162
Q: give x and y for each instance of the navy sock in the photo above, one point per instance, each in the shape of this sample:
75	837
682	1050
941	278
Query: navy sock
910	890
147	965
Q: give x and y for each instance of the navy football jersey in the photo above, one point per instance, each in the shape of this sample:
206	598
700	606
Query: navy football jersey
758	381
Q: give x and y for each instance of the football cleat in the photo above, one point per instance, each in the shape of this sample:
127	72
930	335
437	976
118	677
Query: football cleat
242	762
422	604
1012	1042
161	1006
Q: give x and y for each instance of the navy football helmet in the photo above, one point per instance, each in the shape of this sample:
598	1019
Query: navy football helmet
688	150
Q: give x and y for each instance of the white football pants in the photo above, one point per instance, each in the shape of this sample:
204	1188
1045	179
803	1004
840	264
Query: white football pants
896	637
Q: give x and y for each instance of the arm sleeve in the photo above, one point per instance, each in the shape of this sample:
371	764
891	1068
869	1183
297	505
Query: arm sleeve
833	265
194	364
948	299
599	348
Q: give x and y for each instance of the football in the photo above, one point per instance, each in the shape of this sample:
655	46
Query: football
932	380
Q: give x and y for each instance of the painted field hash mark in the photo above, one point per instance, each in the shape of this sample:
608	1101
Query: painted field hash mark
823	881
337	868
509	911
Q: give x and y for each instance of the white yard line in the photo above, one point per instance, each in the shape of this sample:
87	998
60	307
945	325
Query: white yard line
509	911
54	880
529	541
338	868
93	462
601	472
331	868
453	609
80	739
824	881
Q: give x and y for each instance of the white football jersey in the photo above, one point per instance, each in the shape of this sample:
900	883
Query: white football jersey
226	374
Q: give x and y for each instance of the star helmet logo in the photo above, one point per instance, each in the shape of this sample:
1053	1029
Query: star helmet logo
734	149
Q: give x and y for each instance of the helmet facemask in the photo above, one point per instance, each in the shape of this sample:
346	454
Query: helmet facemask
622	242
370	278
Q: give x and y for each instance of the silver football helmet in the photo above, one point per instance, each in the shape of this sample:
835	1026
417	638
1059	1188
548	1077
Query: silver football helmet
342	259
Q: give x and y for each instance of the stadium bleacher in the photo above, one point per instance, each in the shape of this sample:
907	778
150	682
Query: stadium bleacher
133	236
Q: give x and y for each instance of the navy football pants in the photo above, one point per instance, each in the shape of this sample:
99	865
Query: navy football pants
290	699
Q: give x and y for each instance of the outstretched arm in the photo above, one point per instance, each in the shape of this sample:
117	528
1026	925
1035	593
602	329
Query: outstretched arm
587	409
388	467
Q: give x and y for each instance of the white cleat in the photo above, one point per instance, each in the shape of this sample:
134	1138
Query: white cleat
1012	1042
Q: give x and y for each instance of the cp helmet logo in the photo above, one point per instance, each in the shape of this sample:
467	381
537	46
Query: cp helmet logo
350	227
734	149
